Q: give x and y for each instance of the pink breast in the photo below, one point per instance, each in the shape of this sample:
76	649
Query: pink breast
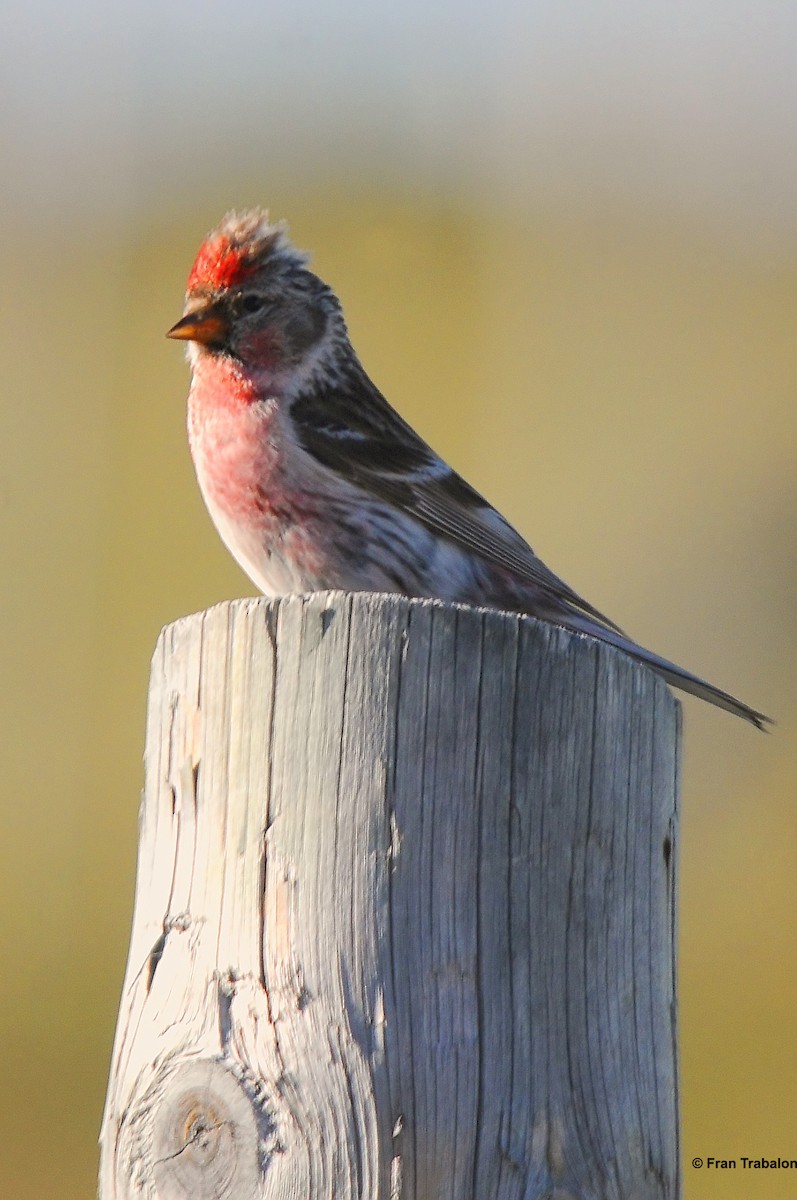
239	446
235	442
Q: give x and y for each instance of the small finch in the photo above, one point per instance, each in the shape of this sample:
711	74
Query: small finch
315	482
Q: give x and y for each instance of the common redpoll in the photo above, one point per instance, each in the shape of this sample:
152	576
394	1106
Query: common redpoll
315	482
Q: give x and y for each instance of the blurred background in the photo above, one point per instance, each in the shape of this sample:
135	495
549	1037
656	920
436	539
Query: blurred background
565	236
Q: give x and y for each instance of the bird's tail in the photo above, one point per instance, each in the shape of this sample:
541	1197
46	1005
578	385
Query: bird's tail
673	674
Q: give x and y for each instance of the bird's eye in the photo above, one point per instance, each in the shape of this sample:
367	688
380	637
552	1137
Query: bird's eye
252	303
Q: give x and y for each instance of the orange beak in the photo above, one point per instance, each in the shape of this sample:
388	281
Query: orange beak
208	325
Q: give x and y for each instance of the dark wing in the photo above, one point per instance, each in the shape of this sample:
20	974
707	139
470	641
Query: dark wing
352	430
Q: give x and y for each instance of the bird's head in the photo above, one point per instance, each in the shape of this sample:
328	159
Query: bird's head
251	297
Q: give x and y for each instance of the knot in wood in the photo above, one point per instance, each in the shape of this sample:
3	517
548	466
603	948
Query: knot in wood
205	1136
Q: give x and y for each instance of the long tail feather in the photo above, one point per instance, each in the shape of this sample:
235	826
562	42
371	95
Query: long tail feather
674	674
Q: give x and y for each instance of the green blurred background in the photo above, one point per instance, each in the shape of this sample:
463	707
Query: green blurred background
565	237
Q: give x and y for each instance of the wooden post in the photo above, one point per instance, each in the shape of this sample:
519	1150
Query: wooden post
405	913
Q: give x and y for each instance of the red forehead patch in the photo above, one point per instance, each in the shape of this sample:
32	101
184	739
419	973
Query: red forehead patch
219	264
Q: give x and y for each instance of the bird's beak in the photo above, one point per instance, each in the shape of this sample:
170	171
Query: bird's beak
209	326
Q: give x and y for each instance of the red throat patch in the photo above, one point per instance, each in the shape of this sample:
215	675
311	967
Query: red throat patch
219	264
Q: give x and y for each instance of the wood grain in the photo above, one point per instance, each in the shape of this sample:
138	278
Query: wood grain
405	913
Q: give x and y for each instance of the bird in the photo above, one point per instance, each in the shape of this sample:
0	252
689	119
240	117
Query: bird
314	481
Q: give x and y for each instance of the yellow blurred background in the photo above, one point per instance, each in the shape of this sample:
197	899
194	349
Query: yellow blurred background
566	244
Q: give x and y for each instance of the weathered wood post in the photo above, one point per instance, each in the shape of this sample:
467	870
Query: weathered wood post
404	919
